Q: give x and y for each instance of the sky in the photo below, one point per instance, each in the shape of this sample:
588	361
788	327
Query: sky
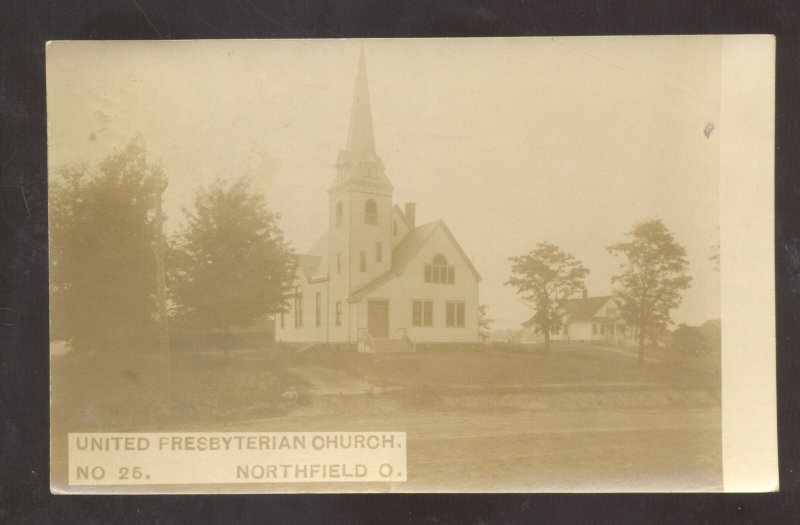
511	141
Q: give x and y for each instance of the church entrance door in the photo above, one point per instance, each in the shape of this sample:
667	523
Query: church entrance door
378	318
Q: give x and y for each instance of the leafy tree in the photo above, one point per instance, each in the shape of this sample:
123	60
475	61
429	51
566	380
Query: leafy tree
484	323
102	264
546	277
690	340
653	274
230	264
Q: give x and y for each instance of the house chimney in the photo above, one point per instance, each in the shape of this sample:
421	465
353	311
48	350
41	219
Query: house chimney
585	293
411	214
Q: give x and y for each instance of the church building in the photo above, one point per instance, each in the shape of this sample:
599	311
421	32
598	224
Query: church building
375	278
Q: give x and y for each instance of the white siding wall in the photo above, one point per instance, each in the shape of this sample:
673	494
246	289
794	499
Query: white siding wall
580	331
309	331
411	285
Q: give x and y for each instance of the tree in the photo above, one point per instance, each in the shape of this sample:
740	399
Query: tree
484	323
230	264
546	277
690	341
653	274
102	266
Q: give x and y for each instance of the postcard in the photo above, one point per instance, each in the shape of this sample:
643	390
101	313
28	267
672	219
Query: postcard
412	265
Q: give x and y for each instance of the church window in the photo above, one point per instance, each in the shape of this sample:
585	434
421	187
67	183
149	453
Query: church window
338	263
318	310
339	213
298	307
594	328
394	227
439	271
370	212
378	251
362	264
283	322
422	313
338	313
455	314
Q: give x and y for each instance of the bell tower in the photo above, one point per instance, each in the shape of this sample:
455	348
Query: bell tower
360	203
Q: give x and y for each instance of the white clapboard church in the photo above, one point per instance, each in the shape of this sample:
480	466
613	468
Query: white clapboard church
375	278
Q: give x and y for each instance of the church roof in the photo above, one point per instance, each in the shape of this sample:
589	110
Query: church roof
314	263
402	215
308	264
405	251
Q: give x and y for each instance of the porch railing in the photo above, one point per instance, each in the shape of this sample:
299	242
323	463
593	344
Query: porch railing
405	337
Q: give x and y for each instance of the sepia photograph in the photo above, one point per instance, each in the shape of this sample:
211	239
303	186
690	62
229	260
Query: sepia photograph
386	265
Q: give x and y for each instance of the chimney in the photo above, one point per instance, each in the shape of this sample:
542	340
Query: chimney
585	293
411	214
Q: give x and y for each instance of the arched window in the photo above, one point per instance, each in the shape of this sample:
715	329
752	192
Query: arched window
439	271
339	213
298	306
370	212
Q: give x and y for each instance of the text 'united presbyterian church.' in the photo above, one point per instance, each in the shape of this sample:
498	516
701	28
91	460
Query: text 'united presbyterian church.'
375	278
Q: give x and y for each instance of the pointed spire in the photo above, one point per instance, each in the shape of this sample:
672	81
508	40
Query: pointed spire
361	138
359	161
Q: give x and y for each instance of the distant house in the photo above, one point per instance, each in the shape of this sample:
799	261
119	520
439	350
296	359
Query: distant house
586	319
376	278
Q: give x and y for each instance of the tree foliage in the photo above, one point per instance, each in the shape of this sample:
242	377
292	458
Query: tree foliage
545	277
651	279
690	340
102	264
484	323
229	264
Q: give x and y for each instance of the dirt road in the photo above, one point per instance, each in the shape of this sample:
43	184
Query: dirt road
608	450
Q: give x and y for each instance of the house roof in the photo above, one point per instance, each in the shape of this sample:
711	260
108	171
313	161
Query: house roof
580	309
405	251
584	309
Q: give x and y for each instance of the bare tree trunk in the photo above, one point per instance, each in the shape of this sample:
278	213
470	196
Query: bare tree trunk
641	346
547	340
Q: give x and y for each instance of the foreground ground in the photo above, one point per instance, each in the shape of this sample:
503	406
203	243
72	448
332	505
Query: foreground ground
575	419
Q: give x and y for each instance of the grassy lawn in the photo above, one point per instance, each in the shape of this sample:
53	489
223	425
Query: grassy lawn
564	365
123	393
464	431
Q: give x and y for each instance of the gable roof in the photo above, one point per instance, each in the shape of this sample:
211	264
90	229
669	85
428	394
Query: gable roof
583	309
580	309
312	263
308	264
405	251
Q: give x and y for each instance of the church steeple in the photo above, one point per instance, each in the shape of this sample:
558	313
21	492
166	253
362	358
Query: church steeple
360	160
361	137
